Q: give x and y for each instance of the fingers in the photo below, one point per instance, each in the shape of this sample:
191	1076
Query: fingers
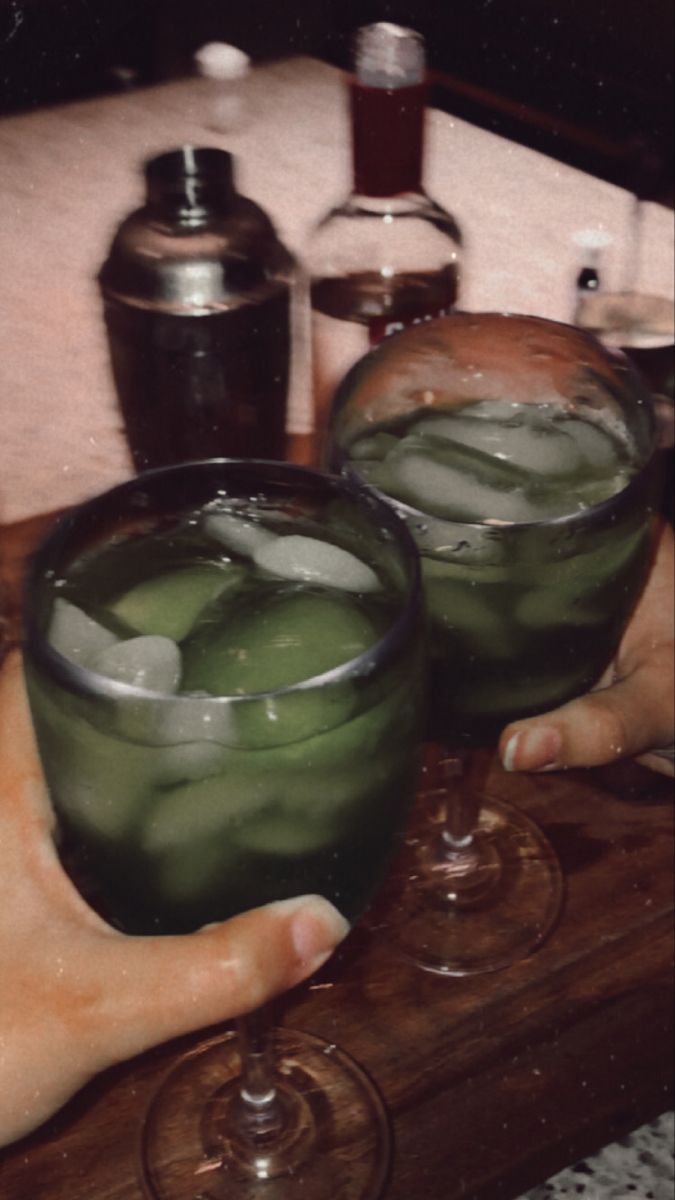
21	772
627	719
30	871
168	986
26	817
632	711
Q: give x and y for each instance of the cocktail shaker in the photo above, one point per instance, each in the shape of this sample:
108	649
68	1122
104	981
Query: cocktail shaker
196	293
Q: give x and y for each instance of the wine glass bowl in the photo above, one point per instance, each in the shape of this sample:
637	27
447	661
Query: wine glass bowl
539	567
522	457
224	664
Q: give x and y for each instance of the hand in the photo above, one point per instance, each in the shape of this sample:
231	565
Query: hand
78	996
631	710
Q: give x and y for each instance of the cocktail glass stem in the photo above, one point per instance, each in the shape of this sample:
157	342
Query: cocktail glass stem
477	885
461	815
460	863
258	1124
260	1112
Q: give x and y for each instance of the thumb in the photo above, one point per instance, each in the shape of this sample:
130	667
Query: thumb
168	986
622	720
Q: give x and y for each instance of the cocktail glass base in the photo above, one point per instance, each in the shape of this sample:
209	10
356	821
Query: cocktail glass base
486	905
334	1142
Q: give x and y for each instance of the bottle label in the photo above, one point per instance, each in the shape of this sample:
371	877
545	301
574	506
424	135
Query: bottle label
383	327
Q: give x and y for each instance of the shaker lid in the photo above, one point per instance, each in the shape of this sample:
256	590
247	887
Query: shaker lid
197	245
190	174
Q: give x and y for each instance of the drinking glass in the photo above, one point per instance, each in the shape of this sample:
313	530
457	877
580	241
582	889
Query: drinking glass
533	554
225	670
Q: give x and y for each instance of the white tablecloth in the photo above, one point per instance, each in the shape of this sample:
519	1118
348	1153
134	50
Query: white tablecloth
71	173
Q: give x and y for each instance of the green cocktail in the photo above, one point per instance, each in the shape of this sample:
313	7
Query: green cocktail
524	615
225	668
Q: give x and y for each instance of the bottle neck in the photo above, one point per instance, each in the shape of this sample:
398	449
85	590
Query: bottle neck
387	138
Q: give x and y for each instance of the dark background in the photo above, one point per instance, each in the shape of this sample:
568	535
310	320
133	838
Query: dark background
586	81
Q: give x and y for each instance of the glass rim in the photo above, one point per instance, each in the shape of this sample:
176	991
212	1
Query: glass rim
83	681
583	518
347	389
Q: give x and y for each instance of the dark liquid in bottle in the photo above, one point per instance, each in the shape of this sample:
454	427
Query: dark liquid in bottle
202	386
387	138
386	308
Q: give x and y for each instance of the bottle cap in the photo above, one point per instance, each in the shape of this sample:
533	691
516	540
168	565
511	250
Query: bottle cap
389	56
218	60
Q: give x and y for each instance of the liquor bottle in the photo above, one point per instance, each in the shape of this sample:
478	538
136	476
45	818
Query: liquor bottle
196	292
388	256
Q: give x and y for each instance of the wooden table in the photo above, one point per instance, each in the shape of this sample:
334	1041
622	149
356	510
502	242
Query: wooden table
492	1083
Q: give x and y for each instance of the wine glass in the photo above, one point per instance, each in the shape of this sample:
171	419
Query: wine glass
521	456
225	668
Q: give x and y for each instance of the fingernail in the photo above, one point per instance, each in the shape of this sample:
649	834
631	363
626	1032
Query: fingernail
317	928
536	749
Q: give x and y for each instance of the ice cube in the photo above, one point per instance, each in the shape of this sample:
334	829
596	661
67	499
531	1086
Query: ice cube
377	446
596	445
189	762
548	451
102	792
314	561
98	781
482	434
186	837
180	721
75	635
531	442
169	604
208	808
445	481
537	445
237	533
148	662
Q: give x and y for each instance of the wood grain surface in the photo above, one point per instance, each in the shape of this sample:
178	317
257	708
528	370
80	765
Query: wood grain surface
493	1083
